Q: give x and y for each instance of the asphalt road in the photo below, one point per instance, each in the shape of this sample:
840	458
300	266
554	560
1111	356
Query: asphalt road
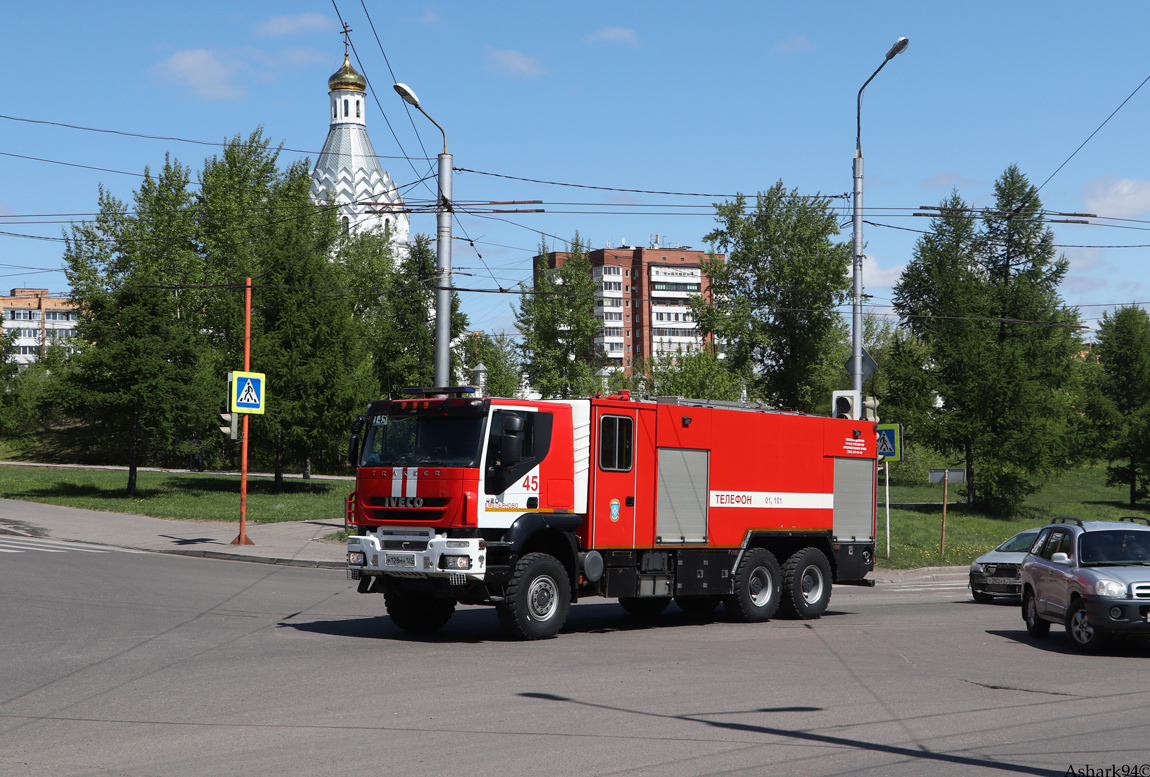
146	665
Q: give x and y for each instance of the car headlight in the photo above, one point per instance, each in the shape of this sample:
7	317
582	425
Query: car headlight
355	558
976	568
1110	588
454	562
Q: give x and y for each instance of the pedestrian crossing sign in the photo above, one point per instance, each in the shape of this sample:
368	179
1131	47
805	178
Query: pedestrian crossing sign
889	444
247	391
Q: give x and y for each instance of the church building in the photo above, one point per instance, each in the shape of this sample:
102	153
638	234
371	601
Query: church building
348	172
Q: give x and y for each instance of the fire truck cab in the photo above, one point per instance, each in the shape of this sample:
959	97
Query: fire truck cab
530	505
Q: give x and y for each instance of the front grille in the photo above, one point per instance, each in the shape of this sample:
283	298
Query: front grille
1141	590
408	516
383	501
416	545
1000	570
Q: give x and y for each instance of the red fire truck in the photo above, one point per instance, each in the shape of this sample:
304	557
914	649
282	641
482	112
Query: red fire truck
529	505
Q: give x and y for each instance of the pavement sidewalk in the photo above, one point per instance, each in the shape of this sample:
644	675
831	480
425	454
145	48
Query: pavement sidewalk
291	543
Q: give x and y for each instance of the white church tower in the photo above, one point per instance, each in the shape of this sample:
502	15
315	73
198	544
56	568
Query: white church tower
348	171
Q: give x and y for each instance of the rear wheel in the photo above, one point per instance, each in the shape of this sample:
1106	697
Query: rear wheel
757	582
806	584
537	598
1035	626
698	605
1081	633
417	612
644	606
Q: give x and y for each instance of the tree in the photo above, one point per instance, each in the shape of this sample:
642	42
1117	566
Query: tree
773	299
10	417
1121	404
985	371
140	375
498	355
556	317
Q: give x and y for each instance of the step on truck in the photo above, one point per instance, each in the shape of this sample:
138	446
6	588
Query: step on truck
531	505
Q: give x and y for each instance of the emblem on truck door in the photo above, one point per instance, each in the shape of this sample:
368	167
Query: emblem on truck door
615	510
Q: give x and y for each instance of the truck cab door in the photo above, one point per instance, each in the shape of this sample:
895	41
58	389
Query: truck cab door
614	478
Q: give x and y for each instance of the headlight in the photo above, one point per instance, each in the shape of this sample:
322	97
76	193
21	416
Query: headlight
356	558
454	562
1110	588
976	568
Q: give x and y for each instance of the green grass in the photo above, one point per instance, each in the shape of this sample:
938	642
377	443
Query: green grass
176	495
916	532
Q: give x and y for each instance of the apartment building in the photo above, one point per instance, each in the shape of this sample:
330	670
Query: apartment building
39	320
643	299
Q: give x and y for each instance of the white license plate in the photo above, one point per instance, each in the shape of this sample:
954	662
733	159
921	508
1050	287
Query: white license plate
399	560
1002	581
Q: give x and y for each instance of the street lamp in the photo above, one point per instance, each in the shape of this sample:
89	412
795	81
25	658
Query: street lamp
856	367
442	252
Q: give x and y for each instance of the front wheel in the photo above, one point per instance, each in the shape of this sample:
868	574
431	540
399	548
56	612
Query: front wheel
418	613
806	584
1035	625
756	596
1081	633
537	598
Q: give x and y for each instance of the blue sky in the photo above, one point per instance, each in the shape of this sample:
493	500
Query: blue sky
667	96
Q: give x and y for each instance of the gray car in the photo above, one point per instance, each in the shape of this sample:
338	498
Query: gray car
1092	577
996	573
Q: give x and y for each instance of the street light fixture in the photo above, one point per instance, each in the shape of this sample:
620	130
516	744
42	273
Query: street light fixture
856	364
442	251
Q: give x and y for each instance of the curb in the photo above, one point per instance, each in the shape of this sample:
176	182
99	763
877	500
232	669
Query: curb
222	556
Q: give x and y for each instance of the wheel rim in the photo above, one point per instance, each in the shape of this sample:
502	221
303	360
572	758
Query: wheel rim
812	584
1080	628
760	586
542	597
1031	612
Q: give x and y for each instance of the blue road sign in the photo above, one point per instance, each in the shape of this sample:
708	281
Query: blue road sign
889	442
247	391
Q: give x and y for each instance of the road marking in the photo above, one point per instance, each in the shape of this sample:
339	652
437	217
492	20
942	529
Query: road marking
25	544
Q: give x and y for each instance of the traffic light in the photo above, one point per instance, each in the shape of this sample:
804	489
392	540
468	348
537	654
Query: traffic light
870	409
232	430
845	404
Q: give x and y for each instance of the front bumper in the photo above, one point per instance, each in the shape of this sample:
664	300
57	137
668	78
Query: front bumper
416	553
1133	615
995	585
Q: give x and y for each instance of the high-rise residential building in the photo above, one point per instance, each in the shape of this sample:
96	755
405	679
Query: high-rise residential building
643	300
38	320
348	170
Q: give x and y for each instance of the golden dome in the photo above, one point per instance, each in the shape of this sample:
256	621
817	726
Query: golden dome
347	78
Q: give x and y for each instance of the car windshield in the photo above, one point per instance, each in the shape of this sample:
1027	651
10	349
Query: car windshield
1114	547
1019	543
405	440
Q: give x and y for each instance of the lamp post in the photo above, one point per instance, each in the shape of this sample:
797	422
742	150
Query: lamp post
856	323
442	252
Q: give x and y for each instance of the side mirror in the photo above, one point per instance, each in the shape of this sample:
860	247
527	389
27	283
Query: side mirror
512	450
1060	558
353	450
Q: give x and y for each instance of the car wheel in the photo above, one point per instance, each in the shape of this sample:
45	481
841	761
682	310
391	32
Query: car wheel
806	584
1080	632
644	606
982	597
537	598
1035	625
417	612
757	584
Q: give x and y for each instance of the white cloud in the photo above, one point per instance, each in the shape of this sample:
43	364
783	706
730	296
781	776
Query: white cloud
793	44
278	26
210	74
1122	198
614	35
1080	284
6	211
430	17
514	64
875	277
1084	258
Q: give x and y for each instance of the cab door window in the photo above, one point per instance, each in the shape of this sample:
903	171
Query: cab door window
616	443
536	441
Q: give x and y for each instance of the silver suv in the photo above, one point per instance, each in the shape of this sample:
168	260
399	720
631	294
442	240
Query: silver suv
1092	577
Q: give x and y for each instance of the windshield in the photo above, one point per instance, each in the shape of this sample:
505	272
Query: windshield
407	440
1118	547
1019	543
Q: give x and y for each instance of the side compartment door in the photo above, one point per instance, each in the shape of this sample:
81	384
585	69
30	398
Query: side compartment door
614	477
